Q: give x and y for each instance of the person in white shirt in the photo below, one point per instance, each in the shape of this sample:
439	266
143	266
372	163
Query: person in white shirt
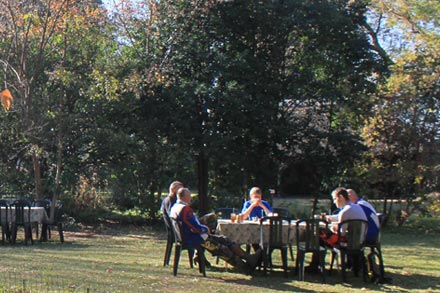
349	211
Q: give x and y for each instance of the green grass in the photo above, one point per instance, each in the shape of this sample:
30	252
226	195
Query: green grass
129	259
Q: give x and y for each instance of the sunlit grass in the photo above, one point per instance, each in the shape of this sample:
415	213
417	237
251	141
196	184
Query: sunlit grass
130	260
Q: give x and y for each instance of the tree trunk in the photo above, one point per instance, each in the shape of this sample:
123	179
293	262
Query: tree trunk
37	174
202	174
55	195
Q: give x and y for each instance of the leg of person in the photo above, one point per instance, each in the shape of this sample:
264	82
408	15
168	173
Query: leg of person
232	253
209	220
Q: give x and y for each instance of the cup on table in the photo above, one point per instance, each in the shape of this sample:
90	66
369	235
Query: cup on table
233	217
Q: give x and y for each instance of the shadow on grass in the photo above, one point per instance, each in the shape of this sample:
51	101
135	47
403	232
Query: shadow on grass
412	282
273	280
395	282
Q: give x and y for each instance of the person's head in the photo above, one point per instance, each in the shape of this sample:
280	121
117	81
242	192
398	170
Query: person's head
184	194
340	197
352	195
174	186
255	193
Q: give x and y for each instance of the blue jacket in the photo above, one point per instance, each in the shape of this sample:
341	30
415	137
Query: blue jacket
191	227
373	220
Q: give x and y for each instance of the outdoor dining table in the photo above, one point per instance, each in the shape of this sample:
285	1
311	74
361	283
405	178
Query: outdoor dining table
248	232
38	215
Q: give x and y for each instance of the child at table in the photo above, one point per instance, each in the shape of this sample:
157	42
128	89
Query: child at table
255	207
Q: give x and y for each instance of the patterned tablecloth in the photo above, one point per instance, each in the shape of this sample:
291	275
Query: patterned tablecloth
248	232
38	215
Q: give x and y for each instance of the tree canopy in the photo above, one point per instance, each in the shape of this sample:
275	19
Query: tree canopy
298	96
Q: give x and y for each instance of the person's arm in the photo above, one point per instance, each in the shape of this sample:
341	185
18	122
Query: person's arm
192	222
247	209
335	226
265	206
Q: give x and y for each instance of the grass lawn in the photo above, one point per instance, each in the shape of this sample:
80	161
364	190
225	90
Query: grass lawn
129	259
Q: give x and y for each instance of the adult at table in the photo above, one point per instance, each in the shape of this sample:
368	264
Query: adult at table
170	200
349	211
209	220
196	235
370	213
255	207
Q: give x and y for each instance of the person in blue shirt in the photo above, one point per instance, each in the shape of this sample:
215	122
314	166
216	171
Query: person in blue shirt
370	212
255	206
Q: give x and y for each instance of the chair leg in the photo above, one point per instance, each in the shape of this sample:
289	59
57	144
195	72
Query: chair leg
168	249
331	263
291	253
284	258
322	264
265	260
44	230
28	233
177	250
60	231
8	232
343	265
191	257
202	261
13	233
36	230
300	265
364	267
381	265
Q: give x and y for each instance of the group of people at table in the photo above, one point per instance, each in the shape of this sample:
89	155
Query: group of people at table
197	232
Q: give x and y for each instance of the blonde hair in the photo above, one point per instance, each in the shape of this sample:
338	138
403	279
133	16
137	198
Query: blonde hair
255	190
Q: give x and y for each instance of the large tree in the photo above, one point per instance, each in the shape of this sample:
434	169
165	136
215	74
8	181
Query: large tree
46	52
403	136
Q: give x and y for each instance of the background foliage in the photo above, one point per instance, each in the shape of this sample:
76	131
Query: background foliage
299	96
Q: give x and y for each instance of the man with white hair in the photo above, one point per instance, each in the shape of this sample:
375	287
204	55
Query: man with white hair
196	235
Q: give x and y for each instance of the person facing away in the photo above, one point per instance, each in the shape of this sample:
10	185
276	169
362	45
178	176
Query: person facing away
255	206
196	235
370	213
171	199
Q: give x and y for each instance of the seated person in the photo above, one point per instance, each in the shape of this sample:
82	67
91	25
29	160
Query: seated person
370	213
255	206
349	211
196	235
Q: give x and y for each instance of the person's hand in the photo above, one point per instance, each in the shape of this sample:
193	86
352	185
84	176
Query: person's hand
328	219
257	203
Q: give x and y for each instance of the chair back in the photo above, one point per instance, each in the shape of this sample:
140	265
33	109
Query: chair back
22	207
169	229
176	227
310	230
225	213
4	210
352	234
282	212
45	203
277	236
